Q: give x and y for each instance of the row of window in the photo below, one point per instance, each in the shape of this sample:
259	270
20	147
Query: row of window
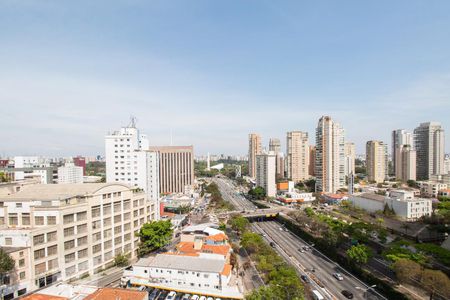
13	220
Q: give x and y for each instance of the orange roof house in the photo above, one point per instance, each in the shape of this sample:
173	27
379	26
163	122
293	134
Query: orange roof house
112	293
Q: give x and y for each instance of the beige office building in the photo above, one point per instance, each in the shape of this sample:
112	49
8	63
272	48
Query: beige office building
297	156
72	230
312	161
176	168
405	163
330	160
376	161
429	142
254	148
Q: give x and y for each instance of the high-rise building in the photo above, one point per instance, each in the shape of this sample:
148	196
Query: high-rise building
297	156
254	148
70	174
176	168
80	161
265	172
312	161
129	161
400	137
330	160
275	145
281	163
405	166
349	153
376	161
429	141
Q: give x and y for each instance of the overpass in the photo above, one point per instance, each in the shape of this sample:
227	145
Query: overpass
253	214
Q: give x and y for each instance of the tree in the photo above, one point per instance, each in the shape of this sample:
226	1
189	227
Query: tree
154	235
257	193
436	281
252	242
359	254
121	260
406	270
239	223
6	262
412	183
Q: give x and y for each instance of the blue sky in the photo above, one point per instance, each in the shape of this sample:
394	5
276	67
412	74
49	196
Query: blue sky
213	71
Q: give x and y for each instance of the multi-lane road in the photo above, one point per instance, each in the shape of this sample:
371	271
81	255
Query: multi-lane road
229	193
311	263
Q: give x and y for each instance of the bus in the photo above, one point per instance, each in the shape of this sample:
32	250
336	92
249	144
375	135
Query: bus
317	295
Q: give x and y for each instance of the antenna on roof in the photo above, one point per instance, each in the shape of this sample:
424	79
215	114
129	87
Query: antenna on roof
133	121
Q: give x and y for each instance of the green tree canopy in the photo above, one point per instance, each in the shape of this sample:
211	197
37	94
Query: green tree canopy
239	223
257	193
359	254
406	270
6	262
154	235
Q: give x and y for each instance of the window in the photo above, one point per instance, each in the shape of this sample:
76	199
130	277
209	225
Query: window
2	220
21	262
51	220
69	231
69	245
38	239
81	216
68	219
107	208
97	260
95	211
13	220
39	220
70	271
96	224
53	264
107	244
69	258
83	266
39	268
118	240
25	219
82	228
107	222
117	219
97	236
117	207
51	236
117	229
52	250
19	204
127	226
22	275
8	241
96	248
82	241
38	254
82	253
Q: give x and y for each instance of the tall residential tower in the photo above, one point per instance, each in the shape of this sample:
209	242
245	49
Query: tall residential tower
429	141
297	155
254	148
376	161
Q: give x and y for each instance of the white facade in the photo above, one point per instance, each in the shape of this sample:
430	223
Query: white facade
35	167
431	188
401	202
297	156
350	154
400	137
266	173
254	148
429	142
405	163
128	161
73	229
204	274
330	158
70	174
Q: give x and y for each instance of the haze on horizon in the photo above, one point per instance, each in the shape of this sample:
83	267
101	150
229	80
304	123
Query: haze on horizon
211	72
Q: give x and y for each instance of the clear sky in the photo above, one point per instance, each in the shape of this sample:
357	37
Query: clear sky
211	72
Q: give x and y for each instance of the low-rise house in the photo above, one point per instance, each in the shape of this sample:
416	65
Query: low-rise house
333	198
17	282
431	188
296	198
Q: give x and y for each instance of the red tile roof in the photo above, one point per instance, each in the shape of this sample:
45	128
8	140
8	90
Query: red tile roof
122	294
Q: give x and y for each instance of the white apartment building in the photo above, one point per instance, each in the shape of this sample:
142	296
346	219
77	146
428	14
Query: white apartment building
297	156
431	188
275	146
376	161
403	203
350	154
266	173
32	167
203	274
254	148
70	174
128	161
429	142
330	160
73	229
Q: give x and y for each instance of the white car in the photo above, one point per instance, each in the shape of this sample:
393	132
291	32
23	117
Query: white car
202	298
338	276
171	295
195	297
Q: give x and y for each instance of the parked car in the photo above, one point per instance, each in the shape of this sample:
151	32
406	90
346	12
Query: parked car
186	297
154	294
347	294
195	297
338	276
301	250
202	298
163	295
272	244
171	295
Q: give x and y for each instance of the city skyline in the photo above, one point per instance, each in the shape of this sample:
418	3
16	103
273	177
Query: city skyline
193	70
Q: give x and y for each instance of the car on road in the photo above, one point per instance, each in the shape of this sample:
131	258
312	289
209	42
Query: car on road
304	278
347	294
338	276
154	294
171	295
301	250
163	295
272	244
186	297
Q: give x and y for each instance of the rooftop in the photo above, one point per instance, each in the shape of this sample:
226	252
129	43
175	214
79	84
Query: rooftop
43	297
373	196
57	191
188	263
112	293
12	249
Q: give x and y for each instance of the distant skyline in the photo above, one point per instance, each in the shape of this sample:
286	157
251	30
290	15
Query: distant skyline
212	72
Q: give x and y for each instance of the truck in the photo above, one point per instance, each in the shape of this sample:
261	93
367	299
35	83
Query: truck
316	295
